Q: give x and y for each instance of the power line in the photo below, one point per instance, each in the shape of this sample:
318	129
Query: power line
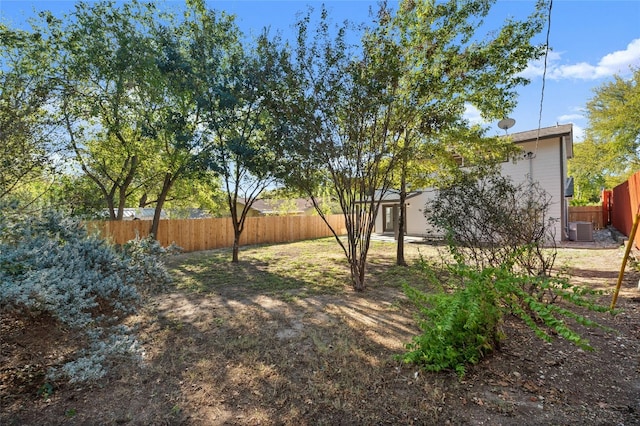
544	74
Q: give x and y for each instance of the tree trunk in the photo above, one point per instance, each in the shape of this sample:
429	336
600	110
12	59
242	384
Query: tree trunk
131	165
111	207
236	246
166	186
238	225
143	201
357	275
121	203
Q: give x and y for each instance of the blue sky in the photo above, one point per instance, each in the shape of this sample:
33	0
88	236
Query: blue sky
591	40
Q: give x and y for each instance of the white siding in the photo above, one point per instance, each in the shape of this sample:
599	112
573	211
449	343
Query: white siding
417	224
545	167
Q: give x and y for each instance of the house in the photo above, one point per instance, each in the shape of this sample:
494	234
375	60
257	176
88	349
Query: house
273	207
137	213
543	158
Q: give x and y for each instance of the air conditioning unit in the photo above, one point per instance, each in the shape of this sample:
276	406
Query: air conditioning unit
581	231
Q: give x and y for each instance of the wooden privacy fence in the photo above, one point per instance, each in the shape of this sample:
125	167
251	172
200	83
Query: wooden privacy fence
626	202
206	234
591	214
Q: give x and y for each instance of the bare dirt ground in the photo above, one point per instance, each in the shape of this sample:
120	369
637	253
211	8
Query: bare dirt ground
291	355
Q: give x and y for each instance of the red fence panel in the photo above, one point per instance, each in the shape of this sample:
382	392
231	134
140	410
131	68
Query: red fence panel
625	204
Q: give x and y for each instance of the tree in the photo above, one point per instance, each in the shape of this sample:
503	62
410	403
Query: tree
611	149
448	64
24	94
176	119
340	106
135	125
589	172
102	93
235	91
367	114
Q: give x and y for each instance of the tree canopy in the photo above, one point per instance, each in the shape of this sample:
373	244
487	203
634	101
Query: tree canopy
24	96
363	118
449	61
611	149
150	100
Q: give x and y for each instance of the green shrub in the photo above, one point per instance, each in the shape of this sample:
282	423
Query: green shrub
462	325
459	327
491	222
48	263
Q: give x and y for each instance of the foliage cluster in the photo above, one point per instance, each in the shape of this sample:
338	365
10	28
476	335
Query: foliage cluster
49	263
491	221
25	154
462	322
497	234
609	153
201	103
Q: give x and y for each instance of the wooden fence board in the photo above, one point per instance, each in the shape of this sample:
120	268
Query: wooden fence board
591	214
207	234
625	204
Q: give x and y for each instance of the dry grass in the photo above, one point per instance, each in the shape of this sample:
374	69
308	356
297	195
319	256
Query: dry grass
281	339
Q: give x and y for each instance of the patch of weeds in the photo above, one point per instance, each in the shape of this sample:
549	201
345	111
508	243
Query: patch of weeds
289	297
242	343
395	306
70	413
218	321
320	345
45	391
274	283
176	410
177	325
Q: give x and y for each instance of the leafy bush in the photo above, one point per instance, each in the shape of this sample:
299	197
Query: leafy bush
461	326
458	328
145	259
491	222
48	263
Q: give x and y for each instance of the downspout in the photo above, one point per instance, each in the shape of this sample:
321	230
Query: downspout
565	213
530	156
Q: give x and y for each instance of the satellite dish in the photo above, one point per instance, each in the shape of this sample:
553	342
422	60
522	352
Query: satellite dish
506	123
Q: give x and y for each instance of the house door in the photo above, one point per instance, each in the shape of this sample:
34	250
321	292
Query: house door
389	218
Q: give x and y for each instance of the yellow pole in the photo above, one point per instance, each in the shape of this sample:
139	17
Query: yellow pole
632	237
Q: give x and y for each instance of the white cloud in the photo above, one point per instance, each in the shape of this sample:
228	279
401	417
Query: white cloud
619	62
472	114
570	117
536	68
581	71
578	133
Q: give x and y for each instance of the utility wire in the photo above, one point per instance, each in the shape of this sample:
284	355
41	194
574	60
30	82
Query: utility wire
544	74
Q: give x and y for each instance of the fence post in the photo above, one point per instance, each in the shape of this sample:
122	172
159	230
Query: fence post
606	206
